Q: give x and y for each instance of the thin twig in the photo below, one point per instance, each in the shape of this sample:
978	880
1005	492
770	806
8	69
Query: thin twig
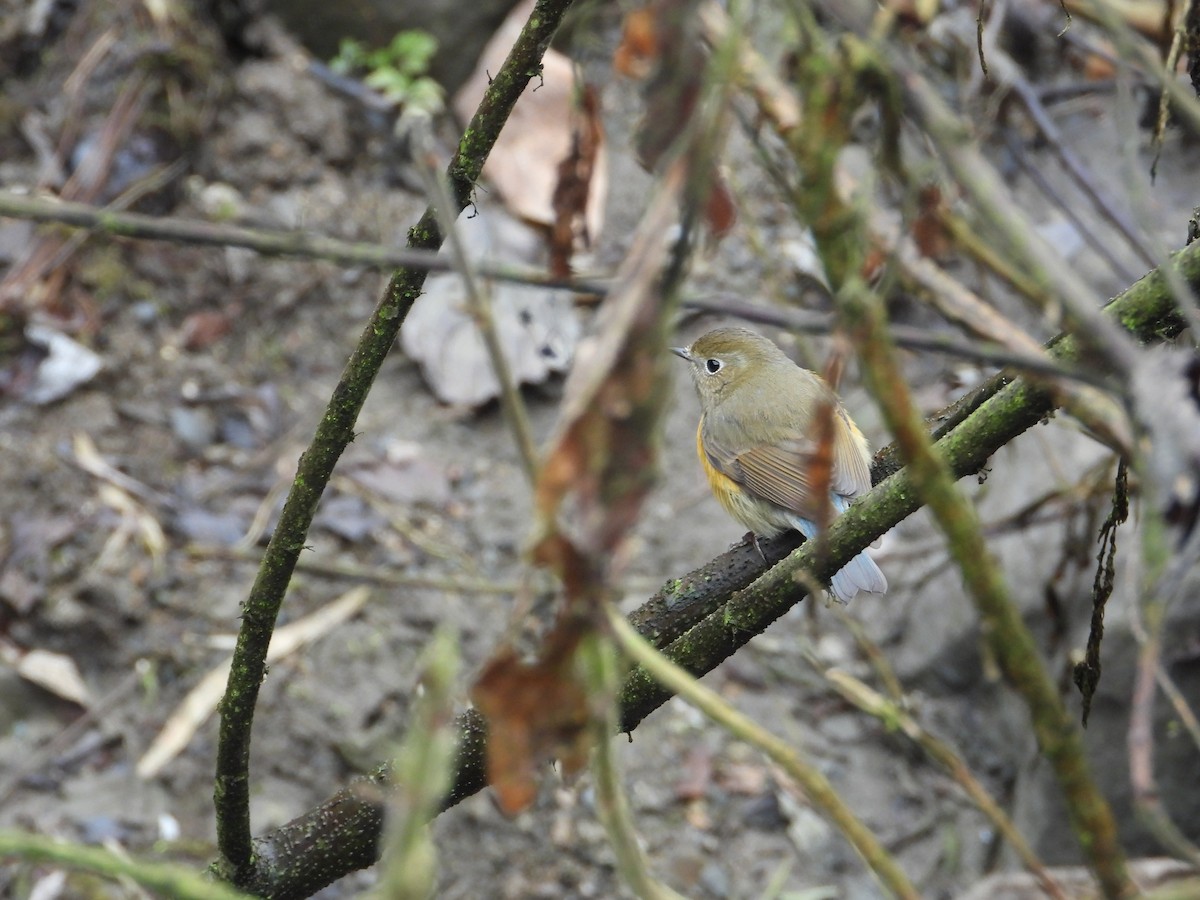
599	659
894	717
816	786
1179	38
875	656
45	756
1079	173
480	308
1140	743
1009	637
1163	581
376	574
996	206
1092	406
266	241
335	431
1133	52
1033	171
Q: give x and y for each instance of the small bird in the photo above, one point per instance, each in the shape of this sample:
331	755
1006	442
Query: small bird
757	442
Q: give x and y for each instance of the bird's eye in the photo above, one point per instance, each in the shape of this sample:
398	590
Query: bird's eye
713	366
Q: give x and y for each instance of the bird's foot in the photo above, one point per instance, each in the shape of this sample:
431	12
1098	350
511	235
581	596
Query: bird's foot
752	539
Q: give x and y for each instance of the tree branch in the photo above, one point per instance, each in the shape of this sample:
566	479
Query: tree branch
703	617
335	431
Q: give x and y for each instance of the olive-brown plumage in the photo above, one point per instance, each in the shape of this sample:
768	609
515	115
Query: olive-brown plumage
756	441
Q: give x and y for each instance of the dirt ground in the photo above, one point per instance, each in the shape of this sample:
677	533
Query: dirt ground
140	585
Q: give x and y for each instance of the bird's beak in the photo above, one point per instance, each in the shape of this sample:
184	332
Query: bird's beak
682	353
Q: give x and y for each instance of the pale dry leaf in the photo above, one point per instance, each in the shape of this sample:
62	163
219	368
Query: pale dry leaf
523	165
135	519
50	887
67	365
201	701
88	457
56	673
537	329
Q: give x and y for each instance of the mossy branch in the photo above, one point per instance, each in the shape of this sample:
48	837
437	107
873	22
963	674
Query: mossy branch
1009	638
703	617
333	434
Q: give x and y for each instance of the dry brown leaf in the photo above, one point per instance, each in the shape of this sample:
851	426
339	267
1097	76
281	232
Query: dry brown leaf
202	329
575	174
602	453
674	76
638	52
601	458
1099	67
929	229
720	210
695	775
536	711
409	476
523	164
742	778
662	46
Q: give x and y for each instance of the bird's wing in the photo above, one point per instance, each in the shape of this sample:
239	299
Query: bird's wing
777	473
783	473
851	457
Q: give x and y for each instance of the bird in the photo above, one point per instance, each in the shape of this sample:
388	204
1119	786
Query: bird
758	438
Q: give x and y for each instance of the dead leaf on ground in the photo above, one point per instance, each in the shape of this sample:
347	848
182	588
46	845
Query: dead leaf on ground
407	476
53	672
742	778
202	329
348	516
49	366
27	545
695	775
538	329
523	165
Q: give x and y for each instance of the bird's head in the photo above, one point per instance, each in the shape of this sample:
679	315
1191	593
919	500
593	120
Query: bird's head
725	358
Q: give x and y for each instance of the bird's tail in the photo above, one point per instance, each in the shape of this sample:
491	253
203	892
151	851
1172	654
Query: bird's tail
860	574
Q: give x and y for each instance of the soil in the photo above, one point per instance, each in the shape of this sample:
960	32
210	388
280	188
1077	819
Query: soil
218	364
